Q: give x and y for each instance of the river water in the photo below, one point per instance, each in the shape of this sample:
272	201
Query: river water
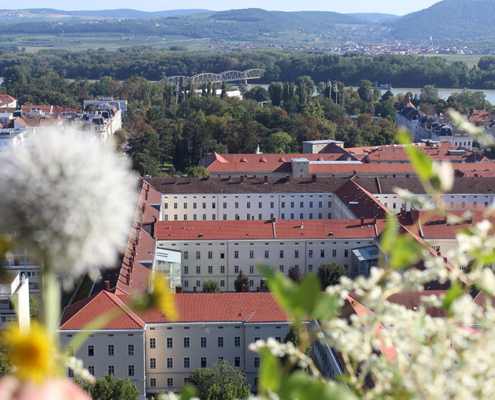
444	93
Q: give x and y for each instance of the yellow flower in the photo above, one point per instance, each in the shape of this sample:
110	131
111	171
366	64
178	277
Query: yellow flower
32	353
163	299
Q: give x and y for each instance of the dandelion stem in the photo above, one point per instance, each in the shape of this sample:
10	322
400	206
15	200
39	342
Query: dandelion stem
51	289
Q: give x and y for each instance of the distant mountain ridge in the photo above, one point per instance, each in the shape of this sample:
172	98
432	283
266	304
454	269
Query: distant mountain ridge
374	17
448	19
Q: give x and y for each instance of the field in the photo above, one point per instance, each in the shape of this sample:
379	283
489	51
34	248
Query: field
469	59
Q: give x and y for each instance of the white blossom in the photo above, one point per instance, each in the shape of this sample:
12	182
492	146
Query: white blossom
68	200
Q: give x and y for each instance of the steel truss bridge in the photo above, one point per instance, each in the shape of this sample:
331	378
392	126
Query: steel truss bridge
227	76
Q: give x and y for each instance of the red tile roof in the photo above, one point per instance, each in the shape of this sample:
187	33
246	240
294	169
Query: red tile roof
6	98
252	230
80	314
193	307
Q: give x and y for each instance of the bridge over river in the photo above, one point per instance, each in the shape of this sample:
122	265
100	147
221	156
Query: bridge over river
227	76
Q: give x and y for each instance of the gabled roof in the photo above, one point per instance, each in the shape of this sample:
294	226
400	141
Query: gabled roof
6	98
80	314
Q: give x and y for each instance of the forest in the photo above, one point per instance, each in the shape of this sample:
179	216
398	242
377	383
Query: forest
349	68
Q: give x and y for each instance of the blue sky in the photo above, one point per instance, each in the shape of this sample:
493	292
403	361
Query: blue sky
352	6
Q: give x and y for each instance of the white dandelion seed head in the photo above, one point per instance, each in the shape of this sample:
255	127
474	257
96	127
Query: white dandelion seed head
69	201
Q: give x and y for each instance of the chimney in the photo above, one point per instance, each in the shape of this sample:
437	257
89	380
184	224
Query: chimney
254	176
244	289
302	225
144	207
374	220
287	178
242	178
475	174
313	178
146	195
131	264
107	286
263	288
128	279
362	221
178	289
230	178
265	179
354	172
155	219
274	219
407	175
194	289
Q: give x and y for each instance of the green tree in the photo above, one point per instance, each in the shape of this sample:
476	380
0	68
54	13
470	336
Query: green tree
197	172
240	281
278	143
34	305
210	286
294	274
221	382
365	91
429	94
109	388
330	274
276	91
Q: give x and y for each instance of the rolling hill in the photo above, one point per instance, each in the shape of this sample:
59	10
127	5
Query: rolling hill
448	19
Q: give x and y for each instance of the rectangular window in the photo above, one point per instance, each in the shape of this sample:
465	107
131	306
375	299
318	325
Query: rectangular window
236	254
198	283
187	342
195	205
175	205
296	253
267	254
281	253
153	382
310	253
152	363
346	253
310	215
320	204
320	215
111	350
152	343
251	269
322	253
260	217
170	382
187	362
236	269
198	270
111	370
251	283
203	342
186	255
251	254
236	205
210	255
213	205
291	204
222	269
334	253
166	206
256	362
282	216
176	217
186	269
224	205
203	362
70	373
237	362
204	205
220	341
210	269
130	349
198	255
301	216
185	206
170	363
329	204
130	370
260	205
301	204
291	215
310	268
237	341
222	255
222	283
248	205
91	350
91	370
272	204
281	268
186	283
282	205
310	204
225	217
170	343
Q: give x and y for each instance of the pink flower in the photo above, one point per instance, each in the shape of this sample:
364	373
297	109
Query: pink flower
52	389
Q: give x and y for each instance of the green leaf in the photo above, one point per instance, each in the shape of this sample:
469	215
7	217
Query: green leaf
305	300
302	386
406	252
454	292
390	233
282	287
326	307
421	162
270	372
188	392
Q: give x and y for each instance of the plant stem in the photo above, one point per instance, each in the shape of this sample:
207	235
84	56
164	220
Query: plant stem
51	294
